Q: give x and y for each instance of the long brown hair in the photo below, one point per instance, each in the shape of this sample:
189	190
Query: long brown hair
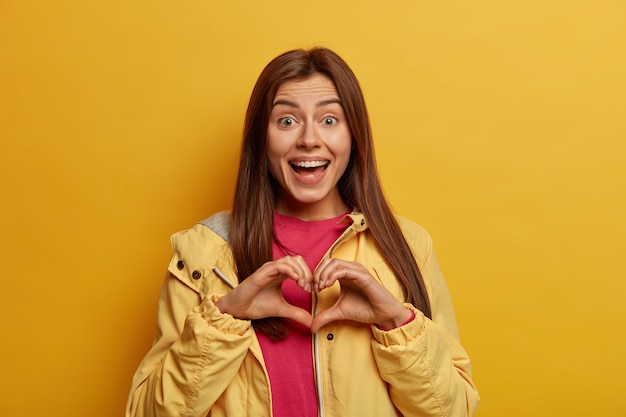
252	219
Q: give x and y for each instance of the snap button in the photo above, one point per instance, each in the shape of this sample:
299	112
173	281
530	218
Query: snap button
180	264
196	274
330	336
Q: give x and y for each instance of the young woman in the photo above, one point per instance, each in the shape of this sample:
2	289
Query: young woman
309	298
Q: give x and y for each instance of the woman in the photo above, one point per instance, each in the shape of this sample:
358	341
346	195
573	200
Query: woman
311	297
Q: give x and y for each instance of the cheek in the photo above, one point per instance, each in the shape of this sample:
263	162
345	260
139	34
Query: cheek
278	142
273	163
343	165
275	154
343	149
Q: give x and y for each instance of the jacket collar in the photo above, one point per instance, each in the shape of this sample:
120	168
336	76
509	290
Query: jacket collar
356	219
219	222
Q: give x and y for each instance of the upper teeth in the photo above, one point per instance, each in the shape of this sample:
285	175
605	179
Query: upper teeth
309	164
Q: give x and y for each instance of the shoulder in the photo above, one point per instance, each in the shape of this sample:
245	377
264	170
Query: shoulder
418	239
414	233
201	248
219	223
210	232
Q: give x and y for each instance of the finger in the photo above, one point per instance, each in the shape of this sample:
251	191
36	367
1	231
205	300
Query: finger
321	274
296	314
337	269
325	317
301	275
305	276
280	269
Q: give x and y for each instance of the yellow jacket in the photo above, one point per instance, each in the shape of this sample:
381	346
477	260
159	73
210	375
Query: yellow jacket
205	363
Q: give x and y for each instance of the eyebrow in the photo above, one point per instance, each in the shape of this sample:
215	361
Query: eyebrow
296	106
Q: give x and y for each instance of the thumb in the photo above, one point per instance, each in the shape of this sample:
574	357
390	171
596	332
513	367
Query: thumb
298	315
325	317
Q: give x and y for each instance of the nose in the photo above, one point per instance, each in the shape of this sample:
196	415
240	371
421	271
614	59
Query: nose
310	137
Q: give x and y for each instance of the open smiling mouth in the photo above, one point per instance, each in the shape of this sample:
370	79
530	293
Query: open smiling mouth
309	167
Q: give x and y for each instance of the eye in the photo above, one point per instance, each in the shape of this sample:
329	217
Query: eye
329	121
286	121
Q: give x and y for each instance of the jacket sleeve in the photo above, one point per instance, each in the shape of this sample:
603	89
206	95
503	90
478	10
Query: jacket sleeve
196	353
427	369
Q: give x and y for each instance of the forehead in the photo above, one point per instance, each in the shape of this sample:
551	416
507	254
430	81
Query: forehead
316	85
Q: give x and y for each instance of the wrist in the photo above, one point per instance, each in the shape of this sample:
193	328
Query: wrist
220	304
399	320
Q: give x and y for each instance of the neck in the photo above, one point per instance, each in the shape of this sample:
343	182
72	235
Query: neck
312	212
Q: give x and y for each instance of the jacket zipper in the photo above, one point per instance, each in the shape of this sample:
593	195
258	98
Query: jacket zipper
316	336
318	376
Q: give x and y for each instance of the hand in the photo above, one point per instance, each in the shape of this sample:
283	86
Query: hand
361	298
260	295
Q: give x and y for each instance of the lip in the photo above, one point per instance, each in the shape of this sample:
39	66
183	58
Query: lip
299	167
308	159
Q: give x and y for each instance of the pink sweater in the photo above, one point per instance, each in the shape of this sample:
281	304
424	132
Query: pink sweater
289	362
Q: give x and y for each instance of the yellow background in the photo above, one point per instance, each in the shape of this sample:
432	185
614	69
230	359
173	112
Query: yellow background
499	125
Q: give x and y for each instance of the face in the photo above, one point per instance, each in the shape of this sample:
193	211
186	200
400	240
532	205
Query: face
309	146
